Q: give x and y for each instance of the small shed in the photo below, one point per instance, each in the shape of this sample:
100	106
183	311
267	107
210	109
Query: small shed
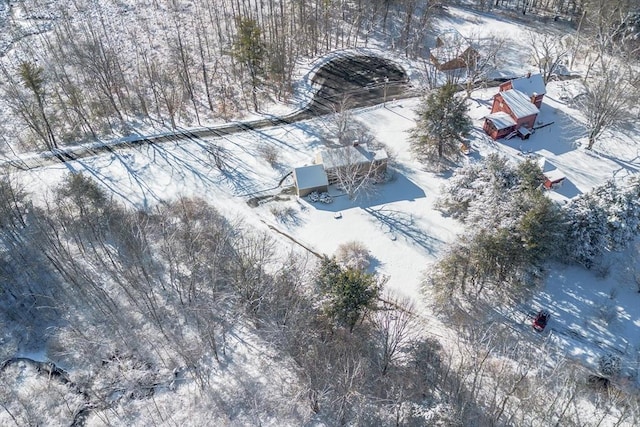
309	179
553	176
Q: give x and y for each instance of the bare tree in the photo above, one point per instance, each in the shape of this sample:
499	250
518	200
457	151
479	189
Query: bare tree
611	25
395	327
343	121
547	52
609	95
488	54
354	169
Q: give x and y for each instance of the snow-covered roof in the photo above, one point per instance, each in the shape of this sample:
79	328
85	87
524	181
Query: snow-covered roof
529	85
501	120
310	176
524	131
454	45
551	172
554	175
350	155
452	37
519	103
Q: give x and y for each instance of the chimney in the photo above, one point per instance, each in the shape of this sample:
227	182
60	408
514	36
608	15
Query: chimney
533	97
529	74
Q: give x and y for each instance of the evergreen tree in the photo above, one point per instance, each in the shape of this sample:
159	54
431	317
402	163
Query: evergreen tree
622	214
530	175
512	227
349	292
480	191
441	128
540	227
586	230
32	77
250	50
460	191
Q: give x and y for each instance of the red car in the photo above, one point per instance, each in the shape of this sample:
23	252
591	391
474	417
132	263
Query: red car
541	320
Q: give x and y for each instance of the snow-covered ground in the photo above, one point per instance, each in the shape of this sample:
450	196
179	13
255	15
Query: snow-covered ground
398	223
593	312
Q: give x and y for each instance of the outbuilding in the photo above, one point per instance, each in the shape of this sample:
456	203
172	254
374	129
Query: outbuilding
309	179
452	51
552	175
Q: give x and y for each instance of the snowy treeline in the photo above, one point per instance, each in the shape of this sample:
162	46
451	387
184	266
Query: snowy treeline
85	69
512	230
512	227
494	195
179	313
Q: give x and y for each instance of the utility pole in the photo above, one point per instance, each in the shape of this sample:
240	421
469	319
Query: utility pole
384	96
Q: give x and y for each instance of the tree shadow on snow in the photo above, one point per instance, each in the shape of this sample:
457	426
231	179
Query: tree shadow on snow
402	225
379	205
568	189
399	189
559	137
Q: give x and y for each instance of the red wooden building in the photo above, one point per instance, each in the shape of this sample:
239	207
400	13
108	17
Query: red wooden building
453	51
553	177
515	107
531	85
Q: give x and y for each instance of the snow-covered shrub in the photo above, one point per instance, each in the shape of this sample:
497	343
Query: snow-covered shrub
609	365
314	197
354	255
269	153
326	198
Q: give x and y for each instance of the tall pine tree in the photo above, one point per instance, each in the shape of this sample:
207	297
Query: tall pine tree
441	128
349	293
250	50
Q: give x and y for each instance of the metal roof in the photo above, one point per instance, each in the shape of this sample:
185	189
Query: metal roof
529	85
310	176
519	103
501	120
